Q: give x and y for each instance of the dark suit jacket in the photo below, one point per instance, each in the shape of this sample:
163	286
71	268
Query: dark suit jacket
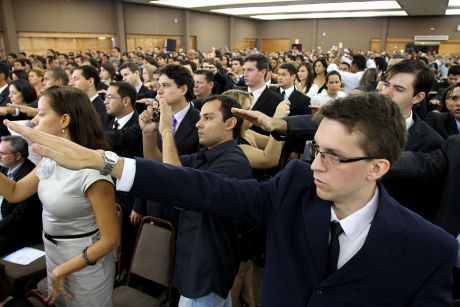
125	150
267	104
22	222
405	260
98	103
4	99
443	123
144	92
414	194
442	165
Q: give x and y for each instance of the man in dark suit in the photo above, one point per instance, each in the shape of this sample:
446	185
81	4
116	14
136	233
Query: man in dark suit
407	83
347	242
131	73
255	68
20	223
448	123
176	89
4	89
442	165
87	79
299	105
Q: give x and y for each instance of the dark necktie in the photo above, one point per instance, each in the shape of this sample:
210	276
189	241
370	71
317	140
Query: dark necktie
174	124
334	247
116	125
283	93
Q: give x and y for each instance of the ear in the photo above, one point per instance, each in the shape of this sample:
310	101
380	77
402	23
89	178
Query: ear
183	89
230	123
65	121
419	97
378	168
126	101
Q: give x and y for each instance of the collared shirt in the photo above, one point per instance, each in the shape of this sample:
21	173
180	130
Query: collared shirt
122	121
204	237
179	116
138	88
323	98
94	97
355	229
409	121
350	80
287	92
256	94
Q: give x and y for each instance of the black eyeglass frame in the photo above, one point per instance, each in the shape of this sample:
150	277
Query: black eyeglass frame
314	151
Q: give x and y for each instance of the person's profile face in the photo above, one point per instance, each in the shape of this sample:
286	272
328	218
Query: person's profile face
400	88
15	95
211	127
169	91
453	102
252	75
47	120
339	182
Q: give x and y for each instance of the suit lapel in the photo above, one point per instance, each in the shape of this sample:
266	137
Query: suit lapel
185	126
317	216
415	136
451	125
380	248
263	97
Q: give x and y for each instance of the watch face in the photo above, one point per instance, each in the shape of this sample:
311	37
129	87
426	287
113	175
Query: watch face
111	156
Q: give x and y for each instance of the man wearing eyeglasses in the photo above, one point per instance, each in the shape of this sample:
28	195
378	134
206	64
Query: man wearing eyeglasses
334	235
20	223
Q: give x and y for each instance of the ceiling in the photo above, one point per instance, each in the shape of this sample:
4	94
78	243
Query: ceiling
296	9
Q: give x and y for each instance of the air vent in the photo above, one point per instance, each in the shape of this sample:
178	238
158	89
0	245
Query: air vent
431	37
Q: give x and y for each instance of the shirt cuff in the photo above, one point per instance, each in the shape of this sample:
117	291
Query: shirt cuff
126	180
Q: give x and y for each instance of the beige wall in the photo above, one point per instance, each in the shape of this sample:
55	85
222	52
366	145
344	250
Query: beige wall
411	26
83	16
244	28
215	32
290	29
147	19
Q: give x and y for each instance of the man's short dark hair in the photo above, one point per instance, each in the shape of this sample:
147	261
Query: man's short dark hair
381	63
345	63
239	59
375	117
208	74
260	59
60	74
5	70
18	145
181	76
454	70
13	55
289	67
20	74
90	72
360	61
125	89
226	105
423	76
131	66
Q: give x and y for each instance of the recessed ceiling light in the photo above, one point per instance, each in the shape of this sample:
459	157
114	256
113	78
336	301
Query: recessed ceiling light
453	3
453	12
323	7
204	3
330	15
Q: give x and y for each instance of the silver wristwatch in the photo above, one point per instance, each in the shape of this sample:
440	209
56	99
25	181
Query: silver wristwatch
110	159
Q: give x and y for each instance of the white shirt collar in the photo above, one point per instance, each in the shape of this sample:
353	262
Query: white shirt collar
92	98
12	171
256	94
138	88
409	121
357	222
122	121
179	116
287	92
3	88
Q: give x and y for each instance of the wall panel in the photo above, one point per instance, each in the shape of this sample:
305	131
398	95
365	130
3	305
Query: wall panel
210	30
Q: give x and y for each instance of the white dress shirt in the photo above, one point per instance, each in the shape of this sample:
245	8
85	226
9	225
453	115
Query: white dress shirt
179	116
256	94
323	98
409	121
355	229
122	121
287	92
350	80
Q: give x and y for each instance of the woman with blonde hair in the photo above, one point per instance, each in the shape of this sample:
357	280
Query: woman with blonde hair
147	75
36	79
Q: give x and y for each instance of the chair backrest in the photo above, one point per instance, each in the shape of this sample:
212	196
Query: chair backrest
153	257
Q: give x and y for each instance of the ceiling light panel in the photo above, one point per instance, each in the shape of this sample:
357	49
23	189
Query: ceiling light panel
323	7
330	15
205	3
453	12
453	3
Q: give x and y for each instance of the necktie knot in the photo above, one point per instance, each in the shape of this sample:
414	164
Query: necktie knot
283	93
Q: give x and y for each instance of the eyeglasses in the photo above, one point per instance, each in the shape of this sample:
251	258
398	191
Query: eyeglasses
332	158
111	97
453	98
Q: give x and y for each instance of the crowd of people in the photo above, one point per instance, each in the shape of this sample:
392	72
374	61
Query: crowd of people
242	115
